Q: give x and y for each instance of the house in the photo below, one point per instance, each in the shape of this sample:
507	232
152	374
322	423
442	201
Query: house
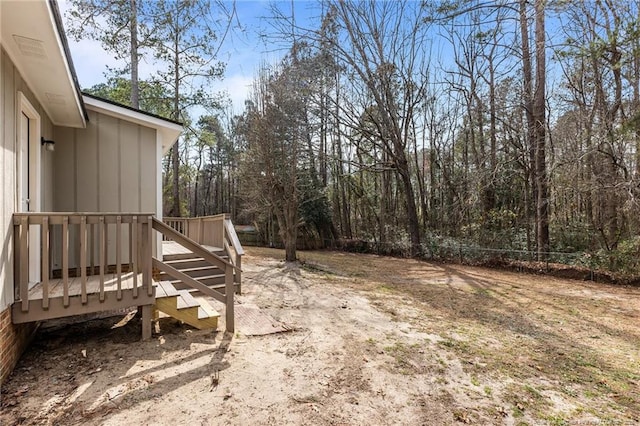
81	198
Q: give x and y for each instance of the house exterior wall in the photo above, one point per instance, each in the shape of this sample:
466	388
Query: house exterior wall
13	338
110	166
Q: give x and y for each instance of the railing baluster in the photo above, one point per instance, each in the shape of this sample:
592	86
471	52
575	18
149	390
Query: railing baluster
83	258
146	255
44	272
92	248
134	254
119	257
130	241
65	261
24	265
102	252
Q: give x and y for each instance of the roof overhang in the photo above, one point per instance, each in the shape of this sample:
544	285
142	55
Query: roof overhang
32	35
168	130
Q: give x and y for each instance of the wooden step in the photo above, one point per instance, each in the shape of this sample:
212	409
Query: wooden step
194	262
165	289
218	287
209	280
201	271
181	305
188	255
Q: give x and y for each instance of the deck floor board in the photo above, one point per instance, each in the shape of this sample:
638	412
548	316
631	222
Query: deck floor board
172	248
56	286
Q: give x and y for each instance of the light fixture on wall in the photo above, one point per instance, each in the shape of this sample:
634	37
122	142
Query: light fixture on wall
49	145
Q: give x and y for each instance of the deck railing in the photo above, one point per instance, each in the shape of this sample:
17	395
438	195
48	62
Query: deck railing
205	230
81	245
216	231
231	244
171	234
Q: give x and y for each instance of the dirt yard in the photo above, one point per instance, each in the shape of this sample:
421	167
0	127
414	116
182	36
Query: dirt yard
375	341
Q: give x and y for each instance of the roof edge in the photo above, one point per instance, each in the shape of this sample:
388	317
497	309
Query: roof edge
130	108
55	10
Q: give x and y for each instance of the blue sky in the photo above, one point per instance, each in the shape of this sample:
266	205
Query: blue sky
243	50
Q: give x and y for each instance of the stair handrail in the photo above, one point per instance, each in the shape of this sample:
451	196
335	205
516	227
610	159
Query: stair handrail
187	242
233	237
212	258
231	241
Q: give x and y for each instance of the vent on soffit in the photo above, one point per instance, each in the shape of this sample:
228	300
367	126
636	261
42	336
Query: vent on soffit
30	47
55	99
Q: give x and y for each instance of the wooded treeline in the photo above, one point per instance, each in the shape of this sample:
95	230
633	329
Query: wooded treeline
507	125
510	125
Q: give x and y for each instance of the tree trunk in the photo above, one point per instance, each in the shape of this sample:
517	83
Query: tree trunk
135	87
175	151
410	202
542	203
527	73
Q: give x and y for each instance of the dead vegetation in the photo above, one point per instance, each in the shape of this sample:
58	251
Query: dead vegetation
377	341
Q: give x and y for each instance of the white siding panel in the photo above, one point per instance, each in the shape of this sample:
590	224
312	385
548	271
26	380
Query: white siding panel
64	169
148	170
10	83
129	167
86	166
7	161
108	167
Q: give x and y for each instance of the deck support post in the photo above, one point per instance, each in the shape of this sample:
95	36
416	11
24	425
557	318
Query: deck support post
146	321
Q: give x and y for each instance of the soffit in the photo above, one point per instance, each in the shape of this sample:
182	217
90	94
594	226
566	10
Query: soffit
30	36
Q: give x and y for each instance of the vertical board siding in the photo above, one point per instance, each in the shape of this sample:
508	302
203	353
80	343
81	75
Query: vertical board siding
128	163
147	189
108	167
10	83
86	167
7	158
108	178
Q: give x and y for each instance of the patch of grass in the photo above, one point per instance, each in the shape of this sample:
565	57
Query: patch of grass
384	288
482	292
526	397
317	268
557	420
532	391
517	412
459	346
409	359
487	390
475	381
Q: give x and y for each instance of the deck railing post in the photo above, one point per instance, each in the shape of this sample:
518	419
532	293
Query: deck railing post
83	258
229	296
44	272
119	257
65	261
102	253
23	258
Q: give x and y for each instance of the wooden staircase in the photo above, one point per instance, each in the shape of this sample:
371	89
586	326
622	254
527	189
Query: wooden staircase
197	268
181	305
176	299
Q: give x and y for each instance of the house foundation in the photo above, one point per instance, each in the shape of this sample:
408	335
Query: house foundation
14	339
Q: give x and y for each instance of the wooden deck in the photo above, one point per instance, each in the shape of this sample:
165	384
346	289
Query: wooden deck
129	293
113	255
56	287
173	249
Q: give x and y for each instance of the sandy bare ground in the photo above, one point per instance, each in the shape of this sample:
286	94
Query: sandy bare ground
376	341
